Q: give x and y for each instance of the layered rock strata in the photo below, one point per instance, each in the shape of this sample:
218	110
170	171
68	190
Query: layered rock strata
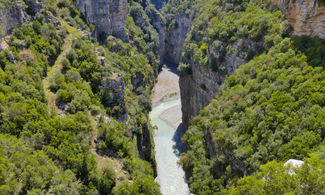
12	16
306	17
108	16
176	38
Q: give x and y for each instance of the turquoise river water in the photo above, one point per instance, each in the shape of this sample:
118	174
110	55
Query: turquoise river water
171	176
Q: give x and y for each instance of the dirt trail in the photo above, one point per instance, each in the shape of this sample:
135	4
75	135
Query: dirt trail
103	161
57	67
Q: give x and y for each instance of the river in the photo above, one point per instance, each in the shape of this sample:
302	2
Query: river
171	176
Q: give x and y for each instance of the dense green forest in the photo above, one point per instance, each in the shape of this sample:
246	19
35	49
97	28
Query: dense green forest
70	110
269	111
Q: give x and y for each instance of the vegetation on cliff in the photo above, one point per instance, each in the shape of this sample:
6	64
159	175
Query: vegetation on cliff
270	109
68	103
274	178
74	109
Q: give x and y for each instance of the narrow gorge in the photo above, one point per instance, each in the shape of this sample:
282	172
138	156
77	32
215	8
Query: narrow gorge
167	97
166	118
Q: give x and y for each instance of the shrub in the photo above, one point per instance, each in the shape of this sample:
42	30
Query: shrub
107	181
95	110
64	96
65	64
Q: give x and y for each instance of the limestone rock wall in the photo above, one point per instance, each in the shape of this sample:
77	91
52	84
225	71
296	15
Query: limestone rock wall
307	17
12	16
34	6
176	38
159	23
108	16
114	95
202	85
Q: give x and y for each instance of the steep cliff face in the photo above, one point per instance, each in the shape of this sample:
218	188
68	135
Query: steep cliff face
12	16
176	38
159	23
201	85
144	145
107	15
306	17
196	91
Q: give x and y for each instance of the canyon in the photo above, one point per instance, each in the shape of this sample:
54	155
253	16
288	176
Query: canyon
166	116
108	16
177	97
201	85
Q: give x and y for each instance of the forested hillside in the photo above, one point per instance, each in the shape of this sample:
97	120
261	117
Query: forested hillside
270	110
76	78
74	108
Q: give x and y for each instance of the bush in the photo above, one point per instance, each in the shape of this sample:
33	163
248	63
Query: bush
80	102
64	96
184	68
95	110
107	181
274	178
65	64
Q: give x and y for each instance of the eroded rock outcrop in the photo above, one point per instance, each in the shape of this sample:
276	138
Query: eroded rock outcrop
114	96
176	38
202	84
138	81
144	141
107	15
306	17
34	6
159	23
12	16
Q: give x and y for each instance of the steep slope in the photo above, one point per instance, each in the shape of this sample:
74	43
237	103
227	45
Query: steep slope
158	3
78	105
34	171
53	77
270	108
219	42
178	24
232	48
